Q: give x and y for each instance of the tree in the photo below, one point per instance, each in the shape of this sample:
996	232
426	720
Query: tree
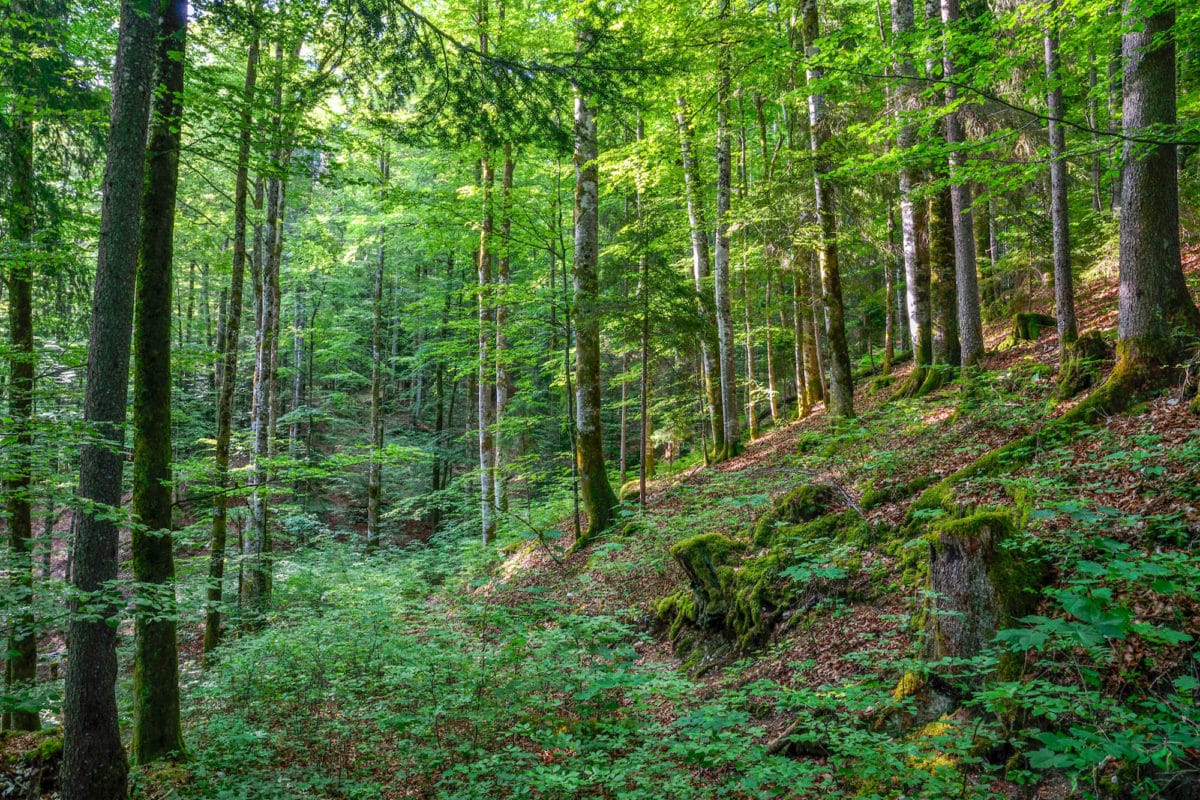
1156	313
841	386
598	498
709	347
227	352
724	313
970	324
1064	288
156	728
94	765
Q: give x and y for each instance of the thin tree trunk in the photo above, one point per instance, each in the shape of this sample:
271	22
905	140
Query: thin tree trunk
228	364
20	673
889	294
1064	289
94	765
375	464
947	350
485	402
725	342
709	347
503	280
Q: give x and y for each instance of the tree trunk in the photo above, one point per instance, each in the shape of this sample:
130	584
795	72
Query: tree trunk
1155	307
889	294
725	343
485	402
94	765
1064	289
156	728
709	347
256	590
503	279
912	211
598	498
840	401
947	351
970	323
228	365
20	673
375	465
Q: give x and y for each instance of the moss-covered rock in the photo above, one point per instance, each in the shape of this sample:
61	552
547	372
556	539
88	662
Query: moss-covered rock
629	490
802	504
977	584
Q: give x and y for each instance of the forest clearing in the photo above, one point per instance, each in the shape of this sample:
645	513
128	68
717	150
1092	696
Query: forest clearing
571	400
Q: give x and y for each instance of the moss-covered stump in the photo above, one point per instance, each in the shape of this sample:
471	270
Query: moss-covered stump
1080	367
708	560
30	763
803	504
1027	327
977	584
629	490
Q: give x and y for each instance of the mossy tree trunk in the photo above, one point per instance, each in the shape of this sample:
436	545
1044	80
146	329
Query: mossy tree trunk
94	765
947	351
375	465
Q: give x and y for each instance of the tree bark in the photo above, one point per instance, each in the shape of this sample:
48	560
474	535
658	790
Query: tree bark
375	464
724	312
94	765
598	498
503	281
709	347
947	351
156	727
1064	289
229	359
912	212
485	403
840	401
1154	303
970	322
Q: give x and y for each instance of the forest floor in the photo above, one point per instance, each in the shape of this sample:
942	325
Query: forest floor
451	672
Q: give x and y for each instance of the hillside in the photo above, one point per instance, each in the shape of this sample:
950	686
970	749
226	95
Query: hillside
762	629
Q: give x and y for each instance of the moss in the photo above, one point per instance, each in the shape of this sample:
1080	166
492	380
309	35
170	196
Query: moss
847	527
754	595
676	610
1080	365
1027	327
706	560
802	504
880	383
875	497
909	684
629	490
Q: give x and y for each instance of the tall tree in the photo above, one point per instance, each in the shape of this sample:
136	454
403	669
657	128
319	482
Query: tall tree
1157	316
94	765
709	347
913	212
30	30
156	729
970	321
598	498
721	277
841	385
375	463
1064	288
228	351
